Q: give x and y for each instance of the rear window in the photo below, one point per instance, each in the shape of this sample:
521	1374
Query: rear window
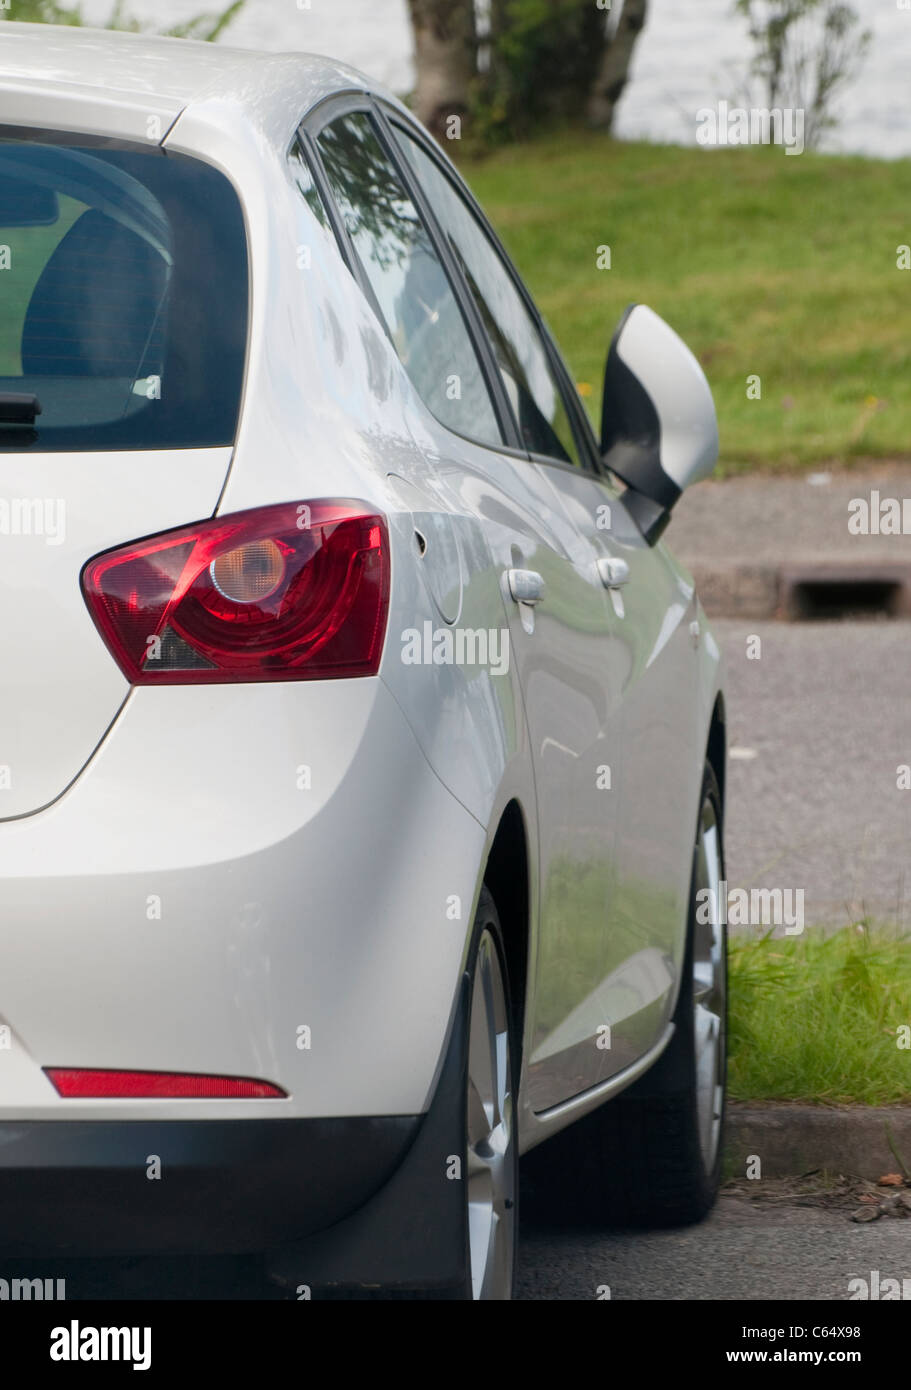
123	299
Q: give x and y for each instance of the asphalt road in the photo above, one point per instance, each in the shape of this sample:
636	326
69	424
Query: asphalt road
818	725
746	1250
741	1252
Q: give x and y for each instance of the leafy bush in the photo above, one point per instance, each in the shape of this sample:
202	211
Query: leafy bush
806	52
543	58
207	26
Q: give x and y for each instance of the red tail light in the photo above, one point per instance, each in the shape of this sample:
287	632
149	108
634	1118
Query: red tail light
293	592
94	1084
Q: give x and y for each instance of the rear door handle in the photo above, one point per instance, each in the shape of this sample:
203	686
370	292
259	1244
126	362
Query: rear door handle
613	571
525	586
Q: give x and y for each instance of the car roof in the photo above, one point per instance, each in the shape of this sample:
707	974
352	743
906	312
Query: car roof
100	71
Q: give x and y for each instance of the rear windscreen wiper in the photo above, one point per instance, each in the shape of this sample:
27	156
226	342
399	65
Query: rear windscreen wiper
18	408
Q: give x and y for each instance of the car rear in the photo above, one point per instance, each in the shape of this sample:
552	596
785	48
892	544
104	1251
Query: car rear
212	1030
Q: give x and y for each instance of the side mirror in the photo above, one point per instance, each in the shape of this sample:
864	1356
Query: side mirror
659	431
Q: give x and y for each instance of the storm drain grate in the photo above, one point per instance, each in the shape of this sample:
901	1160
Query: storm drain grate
819	598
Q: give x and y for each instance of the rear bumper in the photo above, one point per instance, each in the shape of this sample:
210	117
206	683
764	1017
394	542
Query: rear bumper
329	1202
90	1188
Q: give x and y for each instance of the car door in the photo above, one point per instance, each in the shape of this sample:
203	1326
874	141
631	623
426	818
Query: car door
569	669
476	439
655	636
648	770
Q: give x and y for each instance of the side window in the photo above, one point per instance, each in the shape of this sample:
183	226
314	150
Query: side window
303	177
534	391
410	285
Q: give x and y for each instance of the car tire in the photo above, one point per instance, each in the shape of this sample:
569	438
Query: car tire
652	1156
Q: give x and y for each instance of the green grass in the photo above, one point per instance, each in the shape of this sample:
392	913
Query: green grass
767	264
815	1018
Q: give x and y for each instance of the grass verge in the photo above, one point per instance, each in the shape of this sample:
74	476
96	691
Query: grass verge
818	1018
769	265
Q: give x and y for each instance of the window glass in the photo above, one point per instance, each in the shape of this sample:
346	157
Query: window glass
521	356
123	299
410	285
303	177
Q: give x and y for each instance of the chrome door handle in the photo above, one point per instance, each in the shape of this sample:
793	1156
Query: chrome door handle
525	586
613	571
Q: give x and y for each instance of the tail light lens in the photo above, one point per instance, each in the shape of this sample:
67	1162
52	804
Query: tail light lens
293	592
75	1083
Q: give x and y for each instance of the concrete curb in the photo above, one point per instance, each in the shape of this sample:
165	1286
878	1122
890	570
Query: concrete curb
791	591
755	542
792	1140
737	590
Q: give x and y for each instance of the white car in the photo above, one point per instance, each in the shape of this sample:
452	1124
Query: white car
362	748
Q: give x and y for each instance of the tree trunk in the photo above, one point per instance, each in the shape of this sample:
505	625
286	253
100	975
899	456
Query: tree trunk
445	45
615	65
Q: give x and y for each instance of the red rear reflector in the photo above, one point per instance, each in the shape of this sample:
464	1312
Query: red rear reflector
93	1084
294	592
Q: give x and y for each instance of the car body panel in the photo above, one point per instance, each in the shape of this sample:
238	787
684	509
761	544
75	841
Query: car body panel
60	689
133	86
210	919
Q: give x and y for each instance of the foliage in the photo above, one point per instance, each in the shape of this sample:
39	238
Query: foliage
807	51
544	56
207	26
42	12
516	67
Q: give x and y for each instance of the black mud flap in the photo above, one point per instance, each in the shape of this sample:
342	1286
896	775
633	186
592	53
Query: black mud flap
413	1233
